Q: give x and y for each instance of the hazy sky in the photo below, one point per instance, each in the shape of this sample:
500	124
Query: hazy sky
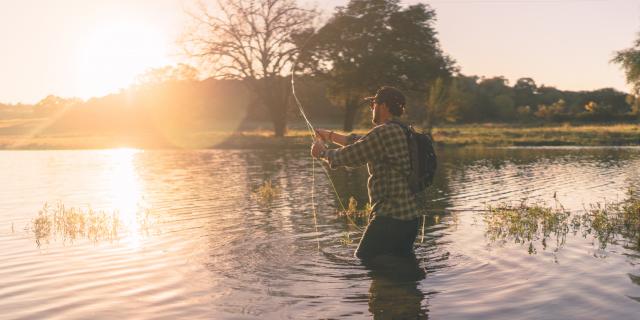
87	48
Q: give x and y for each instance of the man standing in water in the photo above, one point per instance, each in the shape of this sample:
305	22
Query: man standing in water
393	226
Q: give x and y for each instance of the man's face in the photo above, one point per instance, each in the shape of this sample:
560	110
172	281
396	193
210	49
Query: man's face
376	112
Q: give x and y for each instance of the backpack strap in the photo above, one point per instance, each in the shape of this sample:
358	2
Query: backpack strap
407	129
411	149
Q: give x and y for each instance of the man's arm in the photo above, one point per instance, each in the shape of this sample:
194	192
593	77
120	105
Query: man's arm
366	149
337	138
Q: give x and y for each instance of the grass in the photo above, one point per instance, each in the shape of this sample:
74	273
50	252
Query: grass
538	224
617	222
527	224
266	193
70	224
354	216
559	135
453	135
352	209
358	216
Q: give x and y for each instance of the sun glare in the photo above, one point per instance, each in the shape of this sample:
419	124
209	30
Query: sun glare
125	190
116	53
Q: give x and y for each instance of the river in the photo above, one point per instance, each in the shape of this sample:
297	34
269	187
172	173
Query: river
195	239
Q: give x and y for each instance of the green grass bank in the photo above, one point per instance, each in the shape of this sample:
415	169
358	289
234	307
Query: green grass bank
490	135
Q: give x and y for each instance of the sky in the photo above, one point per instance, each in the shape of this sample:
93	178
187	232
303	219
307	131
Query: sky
80	48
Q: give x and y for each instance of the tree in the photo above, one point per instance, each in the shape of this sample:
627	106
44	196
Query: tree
181	72
497	99
629	60
553	112
525	91
616	100
53	105
370	43
634	102
504	107
548	95
436	103
252	40
462	100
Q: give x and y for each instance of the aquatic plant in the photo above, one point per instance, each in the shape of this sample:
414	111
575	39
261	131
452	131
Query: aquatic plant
346	240
69	223
355	215
266	193
523	223
527	224
614	222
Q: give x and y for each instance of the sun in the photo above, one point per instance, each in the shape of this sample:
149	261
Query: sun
115	53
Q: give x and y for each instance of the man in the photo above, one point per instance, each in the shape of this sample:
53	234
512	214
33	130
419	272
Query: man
393	226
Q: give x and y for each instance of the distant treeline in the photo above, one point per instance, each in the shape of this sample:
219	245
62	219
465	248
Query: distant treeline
369	43
362	46
169	106
192	105
469	99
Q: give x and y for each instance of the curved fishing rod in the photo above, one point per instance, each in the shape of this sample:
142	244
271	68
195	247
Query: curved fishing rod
314	137
310	127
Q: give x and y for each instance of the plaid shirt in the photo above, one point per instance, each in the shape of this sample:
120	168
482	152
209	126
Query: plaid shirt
385	151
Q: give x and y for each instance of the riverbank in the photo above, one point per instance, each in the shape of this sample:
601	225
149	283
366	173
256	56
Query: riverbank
455	136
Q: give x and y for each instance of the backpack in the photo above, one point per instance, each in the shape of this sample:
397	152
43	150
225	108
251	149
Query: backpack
423	158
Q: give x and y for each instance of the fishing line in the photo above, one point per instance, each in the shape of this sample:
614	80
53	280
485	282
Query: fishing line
313	135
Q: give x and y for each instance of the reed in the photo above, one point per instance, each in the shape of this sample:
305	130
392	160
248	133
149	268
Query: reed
353	214
266	193
346	240
69	224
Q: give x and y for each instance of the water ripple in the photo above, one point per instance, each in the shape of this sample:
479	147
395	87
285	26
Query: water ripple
216	251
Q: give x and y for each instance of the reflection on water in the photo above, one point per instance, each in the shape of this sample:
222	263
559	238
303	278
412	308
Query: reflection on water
219	252
394	292
125	191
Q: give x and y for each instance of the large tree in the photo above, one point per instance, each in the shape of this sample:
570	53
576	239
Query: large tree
525	91
629	59
251	40
370	43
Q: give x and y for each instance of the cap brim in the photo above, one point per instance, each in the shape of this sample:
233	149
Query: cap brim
367	100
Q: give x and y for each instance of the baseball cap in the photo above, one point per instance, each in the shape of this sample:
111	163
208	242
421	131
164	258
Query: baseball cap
389	95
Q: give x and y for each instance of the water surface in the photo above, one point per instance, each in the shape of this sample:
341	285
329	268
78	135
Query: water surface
209	248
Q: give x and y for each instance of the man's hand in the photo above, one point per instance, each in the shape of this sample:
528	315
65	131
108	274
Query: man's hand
325	135
317	148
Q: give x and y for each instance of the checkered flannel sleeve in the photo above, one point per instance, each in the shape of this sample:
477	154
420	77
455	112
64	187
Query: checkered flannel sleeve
362	150
353	138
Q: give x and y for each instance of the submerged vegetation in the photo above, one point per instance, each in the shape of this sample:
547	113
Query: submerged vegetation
359	217
70	224
614	223
527	224
266	193
538	224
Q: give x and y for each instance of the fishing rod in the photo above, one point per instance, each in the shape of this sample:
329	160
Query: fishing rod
314	137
